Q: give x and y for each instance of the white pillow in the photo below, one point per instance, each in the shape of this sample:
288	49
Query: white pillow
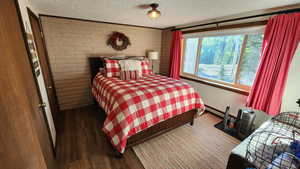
131	65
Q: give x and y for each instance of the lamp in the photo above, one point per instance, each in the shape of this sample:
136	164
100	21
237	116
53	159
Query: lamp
153	13
153	55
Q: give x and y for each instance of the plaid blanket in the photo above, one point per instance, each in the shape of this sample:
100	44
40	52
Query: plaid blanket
135	105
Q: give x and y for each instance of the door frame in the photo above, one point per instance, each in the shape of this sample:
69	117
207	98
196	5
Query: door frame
33	73
31	13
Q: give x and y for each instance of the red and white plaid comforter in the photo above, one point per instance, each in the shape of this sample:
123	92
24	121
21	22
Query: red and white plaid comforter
135	105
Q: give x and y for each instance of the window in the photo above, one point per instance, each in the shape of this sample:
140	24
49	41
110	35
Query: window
190	55
229	58
250	59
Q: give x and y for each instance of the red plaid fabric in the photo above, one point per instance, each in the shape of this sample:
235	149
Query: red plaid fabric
146	68
112	68
129	75
133	106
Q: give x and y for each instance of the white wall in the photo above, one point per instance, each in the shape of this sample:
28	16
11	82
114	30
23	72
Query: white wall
23	8
219	98
292	90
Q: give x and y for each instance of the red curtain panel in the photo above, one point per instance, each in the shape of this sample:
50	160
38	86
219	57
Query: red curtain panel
281	38
175	55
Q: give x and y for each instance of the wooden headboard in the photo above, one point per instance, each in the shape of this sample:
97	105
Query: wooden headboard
98	62
95	64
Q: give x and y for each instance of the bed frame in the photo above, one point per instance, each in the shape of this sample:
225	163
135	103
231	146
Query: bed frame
151	132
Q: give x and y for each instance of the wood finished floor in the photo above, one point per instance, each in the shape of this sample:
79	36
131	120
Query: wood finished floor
82	145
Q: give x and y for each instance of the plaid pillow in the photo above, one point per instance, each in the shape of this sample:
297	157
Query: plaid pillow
112	68
146	68
129	75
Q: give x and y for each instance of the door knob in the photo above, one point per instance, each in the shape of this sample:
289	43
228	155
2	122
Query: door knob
42	105
49	87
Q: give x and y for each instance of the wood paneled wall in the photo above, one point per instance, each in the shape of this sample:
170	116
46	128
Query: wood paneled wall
71	42
165	52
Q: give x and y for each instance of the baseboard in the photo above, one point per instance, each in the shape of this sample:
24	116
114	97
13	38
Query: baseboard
215	114
216	111
78	108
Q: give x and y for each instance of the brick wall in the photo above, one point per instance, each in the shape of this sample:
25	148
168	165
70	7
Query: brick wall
71	42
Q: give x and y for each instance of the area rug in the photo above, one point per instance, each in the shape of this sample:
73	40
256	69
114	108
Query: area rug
231	132
201	146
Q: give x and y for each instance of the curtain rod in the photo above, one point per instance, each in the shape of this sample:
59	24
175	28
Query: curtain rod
241	18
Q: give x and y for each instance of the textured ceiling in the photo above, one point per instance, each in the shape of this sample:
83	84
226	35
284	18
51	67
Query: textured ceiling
174	12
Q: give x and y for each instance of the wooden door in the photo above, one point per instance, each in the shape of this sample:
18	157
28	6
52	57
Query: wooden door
43	58
24	134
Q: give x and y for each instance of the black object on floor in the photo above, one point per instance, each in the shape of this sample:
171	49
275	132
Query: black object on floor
229	131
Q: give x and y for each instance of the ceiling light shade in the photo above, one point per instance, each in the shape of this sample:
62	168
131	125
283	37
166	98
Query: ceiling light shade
154	13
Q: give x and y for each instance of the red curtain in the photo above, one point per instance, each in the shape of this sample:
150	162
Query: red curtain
281	38
175	54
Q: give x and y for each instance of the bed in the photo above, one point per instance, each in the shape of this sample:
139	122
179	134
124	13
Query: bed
138	110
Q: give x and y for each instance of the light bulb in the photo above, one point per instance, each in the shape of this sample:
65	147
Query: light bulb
153	14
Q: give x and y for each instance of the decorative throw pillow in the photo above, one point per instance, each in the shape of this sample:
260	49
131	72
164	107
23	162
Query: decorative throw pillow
129	75
112	68
146	68
131	65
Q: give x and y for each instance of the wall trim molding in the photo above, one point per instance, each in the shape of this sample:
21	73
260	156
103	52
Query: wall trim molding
217	110
232	89
242	14
231	26
89	20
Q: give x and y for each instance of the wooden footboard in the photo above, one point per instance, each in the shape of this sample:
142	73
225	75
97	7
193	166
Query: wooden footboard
158	129
162	127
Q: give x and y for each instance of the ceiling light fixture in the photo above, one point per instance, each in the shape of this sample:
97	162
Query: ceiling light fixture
153	13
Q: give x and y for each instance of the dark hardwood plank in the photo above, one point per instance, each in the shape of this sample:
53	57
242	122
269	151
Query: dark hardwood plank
83	145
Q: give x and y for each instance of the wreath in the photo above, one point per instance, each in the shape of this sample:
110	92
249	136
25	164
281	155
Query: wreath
118	36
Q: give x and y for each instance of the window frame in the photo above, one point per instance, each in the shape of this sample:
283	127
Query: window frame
235	87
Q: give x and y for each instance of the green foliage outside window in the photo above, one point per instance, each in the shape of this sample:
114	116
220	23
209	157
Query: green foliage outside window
250	59
219	57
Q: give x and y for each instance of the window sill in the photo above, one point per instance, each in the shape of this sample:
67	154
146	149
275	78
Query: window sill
217	85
